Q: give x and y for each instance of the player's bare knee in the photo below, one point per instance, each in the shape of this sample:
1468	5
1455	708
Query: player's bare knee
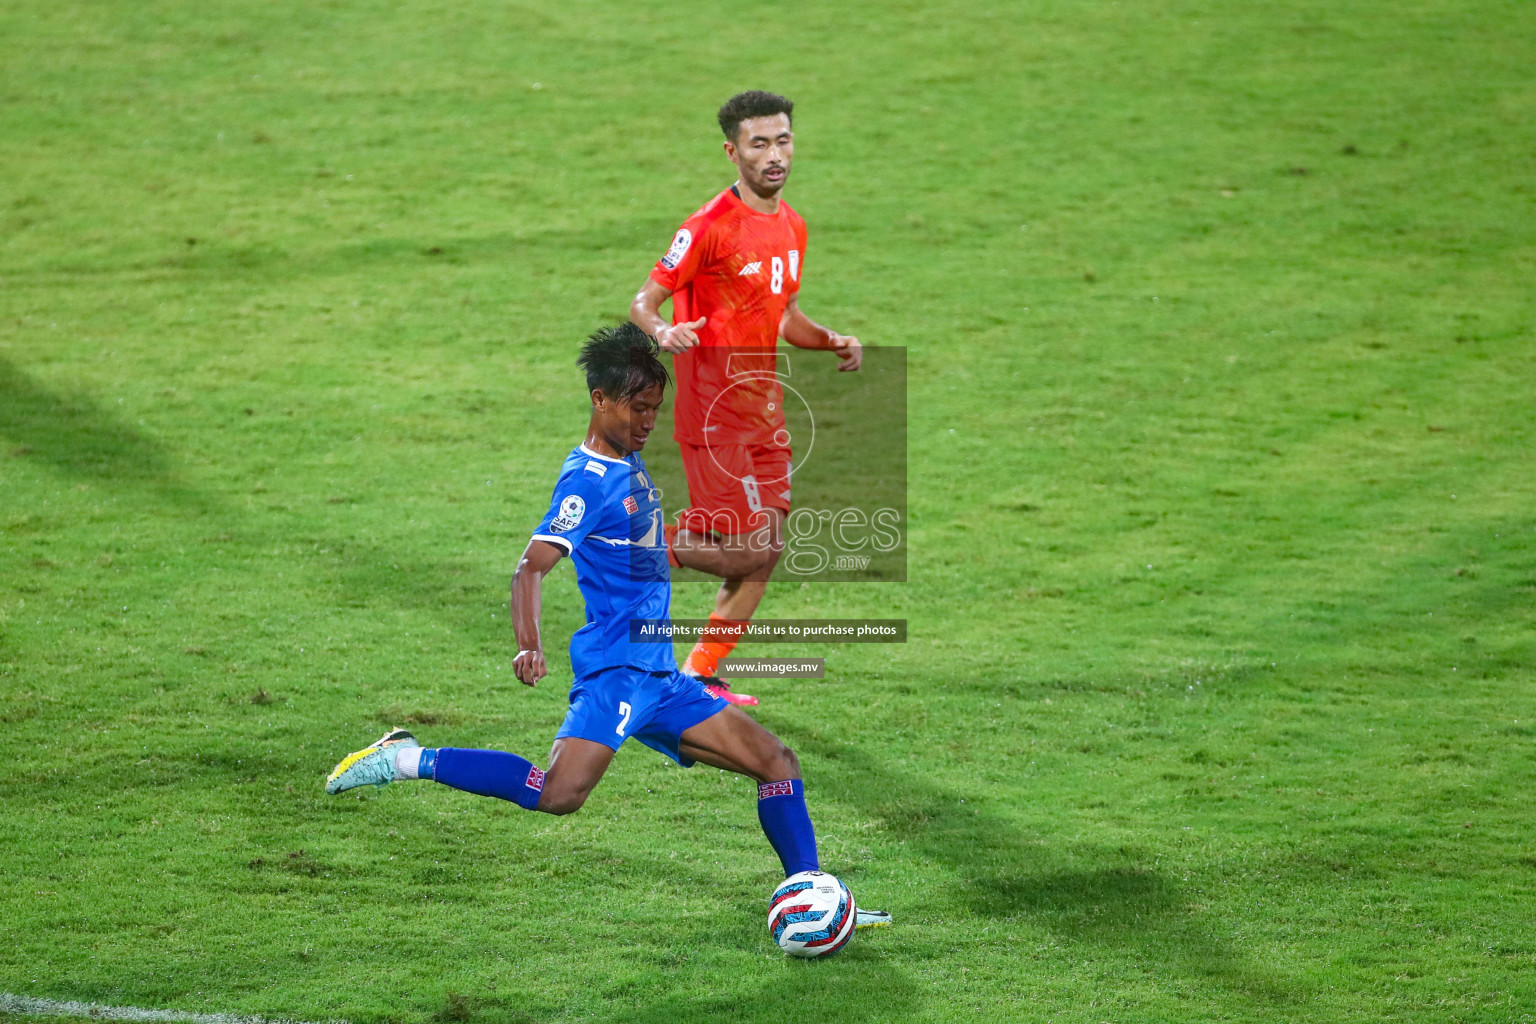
754	562
771	558
558	803
781	763
562	805
757	553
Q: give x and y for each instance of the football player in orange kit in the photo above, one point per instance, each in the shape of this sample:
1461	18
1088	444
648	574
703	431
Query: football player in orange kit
733	274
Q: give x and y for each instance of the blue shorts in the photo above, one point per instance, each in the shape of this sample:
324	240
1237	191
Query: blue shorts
654	707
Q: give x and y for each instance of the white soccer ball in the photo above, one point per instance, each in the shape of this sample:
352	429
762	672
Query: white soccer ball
811	914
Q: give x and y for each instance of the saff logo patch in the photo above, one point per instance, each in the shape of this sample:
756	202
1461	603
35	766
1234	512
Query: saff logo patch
535	779
680	243
572	508
630	504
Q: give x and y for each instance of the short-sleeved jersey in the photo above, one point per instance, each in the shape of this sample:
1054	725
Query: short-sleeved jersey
606	514
739	268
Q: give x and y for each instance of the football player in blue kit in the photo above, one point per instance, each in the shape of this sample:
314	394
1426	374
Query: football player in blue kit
606	515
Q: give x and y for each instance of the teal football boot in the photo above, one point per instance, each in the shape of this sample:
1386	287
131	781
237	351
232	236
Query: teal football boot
374	765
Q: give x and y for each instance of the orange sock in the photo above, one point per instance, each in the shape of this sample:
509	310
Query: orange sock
719	640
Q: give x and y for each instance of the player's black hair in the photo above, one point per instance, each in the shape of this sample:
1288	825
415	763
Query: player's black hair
622	361
753	103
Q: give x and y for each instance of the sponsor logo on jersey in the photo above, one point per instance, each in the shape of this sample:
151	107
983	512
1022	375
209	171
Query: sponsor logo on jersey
755	267
767	789
630	504
535	779
572	508
680	243
794	264
593	466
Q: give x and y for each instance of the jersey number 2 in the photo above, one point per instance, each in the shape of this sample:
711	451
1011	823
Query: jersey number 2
624	709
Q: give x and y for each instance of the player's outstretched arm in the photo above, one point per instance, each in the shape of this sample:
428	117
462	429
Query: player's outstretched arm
645	311
538	558
803	332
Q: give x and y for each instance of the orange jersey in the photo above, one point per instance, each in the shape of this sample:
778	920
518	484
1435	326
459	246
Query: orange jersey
739	268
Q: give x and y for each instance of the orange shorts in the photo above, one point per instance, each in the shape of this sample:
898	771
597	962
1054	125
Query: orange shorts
731	485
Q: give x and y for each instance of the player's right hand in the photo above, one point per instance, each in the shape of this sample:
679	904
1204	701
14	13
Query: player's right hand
529	667
849	352
679	337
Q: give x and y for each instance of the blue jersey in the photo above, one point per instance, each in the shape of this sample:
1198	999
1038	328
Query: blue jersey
606	514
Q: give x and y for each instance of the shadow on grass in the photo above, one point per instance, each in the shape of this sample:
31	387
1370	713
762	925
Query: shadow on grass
809	990
76	435
841	991
1139	911
73	434
274	265
1108	897
681	981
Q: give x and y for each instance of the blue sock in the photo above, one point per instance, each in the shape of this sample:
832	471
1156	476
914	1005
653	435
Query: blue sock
488	773
787	824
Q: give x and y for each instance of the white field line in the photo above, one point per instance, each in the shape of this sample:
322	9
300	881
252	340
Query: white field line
14	1005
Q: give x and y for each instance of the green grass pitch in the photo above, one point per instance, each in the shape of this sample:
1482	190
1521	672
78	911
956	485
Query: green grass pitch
1218	702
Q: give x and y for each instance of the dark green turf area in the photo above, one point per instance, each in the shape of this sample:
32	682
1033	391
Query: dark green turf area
1218	702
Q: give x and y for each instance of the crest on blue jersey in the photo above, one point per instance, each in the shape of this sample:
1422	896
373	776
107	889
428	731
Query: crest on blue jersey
572	508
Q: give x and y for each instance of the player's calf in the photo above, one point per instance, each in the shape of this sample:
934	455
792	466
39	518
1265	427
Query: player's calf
733	741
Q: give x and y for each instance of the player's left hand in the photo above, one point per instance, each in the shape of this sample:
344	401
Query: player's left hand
848	350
